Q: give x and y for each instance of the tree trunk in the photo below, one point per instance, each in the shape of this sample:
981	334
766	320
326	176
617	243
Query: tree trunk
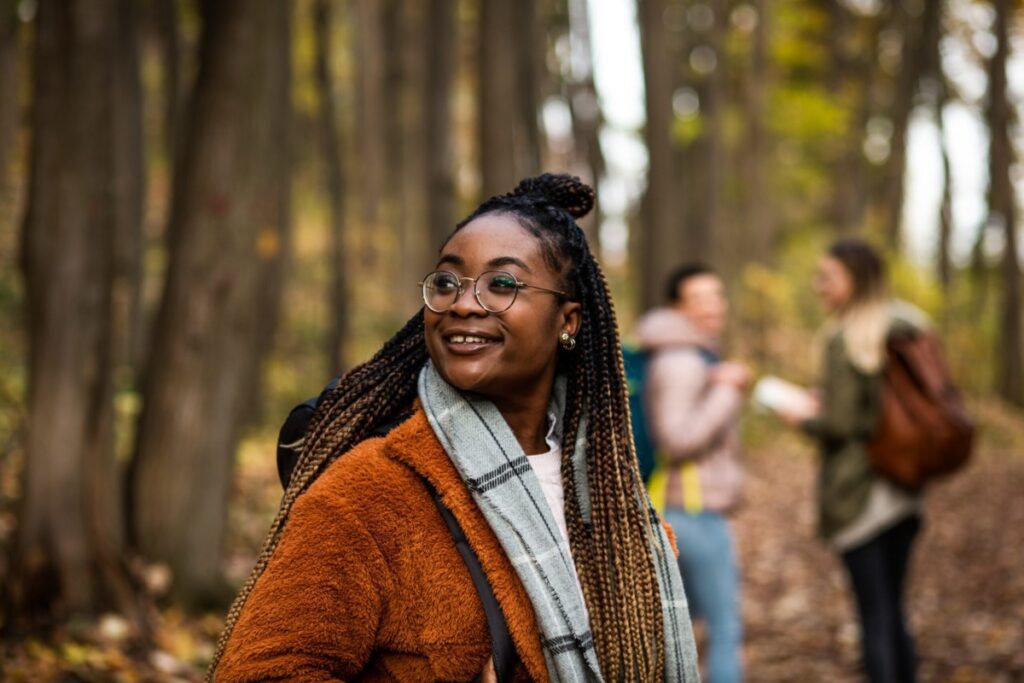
701	162
759	239
498	87
372	149
227	238
944	266
440	167
659	242
170	53
1003	211
394	102
933	71
852	74
334	188
413	249
10	78
710	218
906	88
529	63
67	555
585	108
129	186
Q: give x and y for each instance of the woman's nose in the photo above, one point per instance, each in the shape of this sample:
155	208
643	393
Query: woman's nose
466	303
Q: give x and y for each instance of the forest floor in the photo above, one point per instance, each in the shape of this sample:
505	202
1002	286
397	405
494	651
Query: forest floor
966	588
966	584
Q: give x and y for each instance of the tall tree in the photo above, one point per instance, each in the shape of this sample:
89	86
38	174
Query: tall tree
758	228
584	104
371	144
440	161
1002	205
659	239
334	186
166	16
498	103
529	62
129	183
914	54
68	552
410	196
227	234
853	70
707	169
938	90
10	82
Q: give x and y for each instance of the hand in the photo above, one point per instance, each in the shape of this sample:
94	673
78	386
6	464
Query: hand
794	415
735	374
489	675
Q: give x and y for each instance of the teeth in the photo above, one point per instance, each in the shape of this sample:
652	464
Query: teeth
467	339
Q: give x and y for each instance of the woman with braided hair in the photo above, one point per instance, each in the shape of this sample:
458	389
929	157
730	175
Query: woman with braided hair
509	397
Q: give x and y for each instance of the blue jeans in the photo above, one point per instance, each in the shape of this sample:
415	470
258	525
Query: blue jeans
708	565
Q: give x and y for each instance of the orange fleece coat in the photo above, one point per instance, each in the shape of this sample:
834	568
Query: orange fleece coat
367	584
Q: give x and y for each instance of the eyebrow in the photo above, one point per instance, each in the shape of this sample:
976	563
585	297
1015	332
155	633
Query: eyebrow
451	259
454	260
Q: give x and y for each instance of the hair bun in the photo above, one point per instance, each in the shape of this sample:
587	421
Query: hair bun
563	191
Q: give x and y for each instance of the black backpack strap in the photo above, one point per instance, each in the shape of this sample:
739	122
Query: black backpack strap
289	439
503	651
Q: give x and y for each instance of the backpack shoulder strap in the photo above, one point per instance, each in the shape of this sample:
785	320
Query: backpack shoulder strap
920	356
502	649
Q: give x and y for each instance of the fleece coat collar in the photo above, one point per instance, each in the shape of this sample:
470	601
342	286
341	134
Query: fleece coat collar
414	445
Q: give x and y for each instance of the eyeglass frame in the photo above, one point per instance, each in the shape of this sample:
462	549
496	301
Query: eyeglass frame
476	294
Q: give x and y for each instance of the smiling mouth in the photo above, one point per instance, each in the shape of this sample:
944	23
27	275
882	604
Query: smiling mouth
468	343
467	339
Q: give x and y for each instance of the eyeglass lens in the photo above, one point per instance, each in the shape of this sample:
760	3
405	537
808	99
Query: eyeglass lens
495	290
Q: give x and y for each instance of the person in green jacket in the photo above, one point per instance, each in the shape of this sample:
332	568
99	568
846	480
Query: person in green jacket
869	520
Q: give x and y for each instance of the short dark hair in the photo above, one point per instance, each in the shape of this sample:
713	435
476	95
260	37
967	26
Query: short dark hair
680	275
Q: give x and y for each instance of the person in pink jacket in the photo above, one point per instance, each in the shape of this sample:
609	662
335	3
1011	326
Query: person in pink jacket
693	401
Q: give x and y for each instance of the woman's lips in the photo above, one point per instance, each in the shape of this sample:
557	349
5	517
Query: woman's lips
465	344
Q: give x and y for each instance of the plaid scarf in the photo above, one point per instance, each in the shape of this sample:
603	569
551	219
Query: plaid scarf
495	470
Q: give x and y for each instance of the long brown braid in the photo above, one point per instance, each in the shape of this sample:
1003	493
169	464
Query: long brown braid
612	552
367	396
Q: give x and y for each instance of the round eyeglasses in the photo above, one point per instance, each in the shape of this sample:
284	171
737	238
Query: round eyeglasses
495	290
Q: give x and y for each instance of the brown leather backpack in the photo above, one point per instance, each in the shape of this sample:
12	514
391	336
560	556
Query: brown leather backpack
924	431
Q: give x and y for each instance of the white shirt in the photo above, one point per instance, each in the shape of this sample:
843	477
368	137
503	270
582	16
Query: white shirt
548	469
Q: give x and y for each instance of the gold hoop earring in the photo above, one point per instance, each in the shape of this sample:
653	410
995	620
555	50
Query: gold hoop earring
567	341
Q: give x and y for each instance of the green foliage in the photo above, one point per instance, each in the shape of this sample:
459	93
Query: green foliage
686	130
776	312
809	114
798	42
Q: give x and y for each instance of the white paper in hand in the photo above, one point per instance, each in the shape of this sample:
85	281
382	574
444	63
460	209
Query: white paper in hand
778	395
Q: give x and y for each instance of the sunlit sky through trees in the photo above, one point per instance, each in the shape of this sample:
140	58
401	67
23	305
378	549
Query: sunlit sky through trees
619	79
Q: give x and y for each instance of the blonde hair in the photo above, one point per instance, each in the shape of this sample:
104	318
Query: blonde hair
864	328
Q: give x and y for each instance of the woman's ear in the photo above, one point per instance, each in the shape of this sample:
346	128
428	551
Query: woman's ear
571	318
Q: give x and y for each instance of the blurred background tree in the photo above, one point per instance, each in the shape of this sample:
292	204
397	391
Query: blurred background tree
210	208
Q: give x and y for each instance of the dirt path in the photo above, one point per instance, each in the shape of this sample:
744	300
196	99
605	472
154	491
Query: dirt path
966	592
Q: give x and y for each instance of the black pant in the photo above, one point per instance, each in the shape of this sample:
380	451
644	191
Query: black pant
877	571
